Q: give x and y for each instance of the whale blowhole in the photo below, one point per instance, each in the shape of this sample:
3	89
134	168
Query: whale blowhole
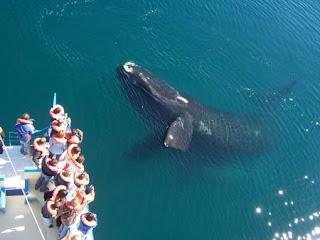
128	66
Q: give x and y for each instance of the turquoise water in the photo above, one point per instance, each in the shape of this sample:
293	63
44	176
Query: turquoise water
223	53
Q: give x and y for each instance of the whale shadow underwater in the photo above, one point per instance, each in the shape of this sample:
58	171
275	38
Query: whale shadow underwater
187	126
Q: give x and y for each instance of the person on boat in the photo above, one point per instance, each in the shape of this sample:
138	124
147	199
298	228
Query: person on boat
75	166
49	170
81	180
2	136
70	212
40	150
57	144
74	137
89	194
64	178
49	192
59	195
56	112
67	122
49	211
24	128
73	152
88	221
57	126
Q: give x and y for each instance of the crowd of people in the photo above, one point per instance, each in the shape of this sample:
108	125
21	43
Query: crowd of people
63	181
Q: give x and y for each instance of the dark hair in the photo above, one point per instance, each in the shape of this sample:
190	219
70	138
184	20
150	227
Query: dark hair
62	193
57	110
80	159
42	140
82	175
25	116
90	216
52	162
53	206
76	150
65	173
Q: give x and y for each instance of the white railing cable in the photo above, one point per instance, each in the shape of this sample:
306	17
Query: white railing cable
22	189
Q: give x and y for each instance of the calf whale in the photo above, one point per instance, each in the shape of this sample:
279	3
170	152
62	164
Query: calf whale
183	122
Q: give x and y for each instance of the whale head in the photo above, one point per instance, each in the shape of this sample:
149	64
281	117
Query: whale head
138	79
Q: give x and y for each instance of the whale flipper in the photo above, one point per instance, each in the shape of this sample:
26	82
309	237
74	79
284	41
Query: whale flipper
179	134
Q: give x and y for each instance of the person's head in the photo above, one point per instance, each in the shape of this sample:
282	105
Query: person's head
52	162
56	110
76	150
80	159
82	175
66	173
62	193
74	131
90	216
42	141
78	133
53	206
25	116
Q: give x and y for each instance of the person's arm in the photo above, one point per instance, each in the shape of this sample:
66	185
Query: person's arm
21	120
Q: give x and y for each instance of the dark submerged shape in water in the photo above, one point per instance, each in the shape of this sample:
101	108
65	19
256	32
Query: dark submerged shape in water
183	123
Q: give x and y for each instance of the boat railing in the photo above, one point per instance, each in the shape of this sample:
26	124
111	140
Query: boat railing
13	138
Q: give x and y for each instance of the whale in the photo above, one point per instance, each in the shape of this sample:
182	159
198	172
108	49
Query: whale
183	123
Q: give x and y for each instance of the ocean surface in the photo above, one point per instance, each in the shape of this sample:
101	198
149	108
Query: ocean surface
232	55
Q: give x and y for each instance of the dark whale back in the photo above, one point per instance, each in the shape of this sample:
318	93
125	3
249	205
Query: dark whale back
161	106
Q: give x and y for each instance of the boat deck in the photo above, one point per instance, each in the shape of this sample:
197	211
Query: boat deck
16	218
18	223
20	162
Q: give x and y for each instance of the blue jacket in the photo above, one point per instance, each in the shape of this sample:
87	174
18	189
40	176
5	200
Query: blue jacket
24	132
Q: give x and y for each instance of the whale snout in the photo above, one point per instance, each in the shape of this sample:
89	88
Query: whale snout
126	71
122	74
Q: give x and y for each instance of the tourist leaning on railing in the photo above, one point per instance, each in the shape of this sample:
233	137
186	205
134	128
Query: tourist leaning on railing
57	143
49	170
40	151
24	128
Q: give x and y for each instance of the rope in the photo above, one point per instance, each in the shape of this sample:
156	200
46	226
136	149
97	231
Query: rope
24	194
